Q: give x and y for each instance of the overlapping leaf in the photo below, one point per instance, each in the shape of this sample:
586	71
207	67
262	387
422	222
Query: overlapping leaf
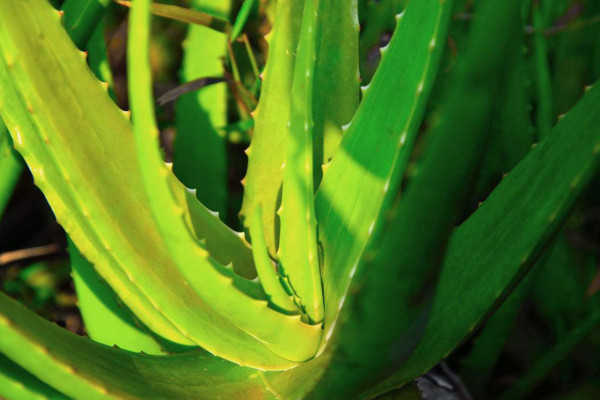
120	237
495	247
85	370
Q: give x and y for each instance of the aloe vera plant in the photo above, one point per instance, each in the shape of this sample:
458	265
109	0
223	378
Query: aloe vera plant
332	290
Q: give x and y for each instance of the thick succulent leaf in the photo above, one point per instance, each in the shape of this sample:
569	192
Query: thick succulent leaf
85	370
106	320
336	84
365	173
11	166
271	281
384	313
18	384
301	380
298	251
335	97
297	383
226	320
22	58
262	185
489	253
224	244
200	157
81	17
118	237
187	15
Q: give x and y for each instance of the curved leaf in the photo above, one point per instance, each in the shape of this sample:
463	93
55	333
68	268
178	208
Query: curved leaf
106	321
298	252
384	313
262	185
269	277
335	97
85	370
118	237
31	122
226	321
364	175
18	384
489	253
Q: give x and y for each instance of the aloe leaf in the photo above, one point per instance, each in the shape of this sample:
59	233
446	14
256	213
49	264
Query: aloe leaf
296	383
18	384
200	157
267	148
496	246
269	277
384	313
375	323
187	15
224	244
365	173
240	328
240	20
525	385
11	166
85	370
337	81
119	238
298	252
38	129
334	100
81	17
95	297
106	321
